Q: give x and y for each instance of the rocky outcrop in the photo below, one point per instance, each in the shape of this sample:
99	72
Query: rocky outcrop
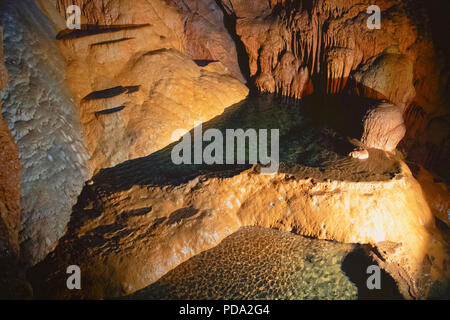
121	87
436	192
138	74
207	39
127	234
383	128
196	28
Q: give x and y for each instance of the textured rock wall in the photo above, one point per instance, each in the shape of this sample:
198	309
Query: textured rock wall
9	202
194	27
41	115
119	89
134	79
295	47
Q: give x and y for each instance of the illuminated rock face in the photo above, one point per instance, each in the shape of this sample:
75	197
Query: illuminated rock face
128	88
9	176
126	240
134	79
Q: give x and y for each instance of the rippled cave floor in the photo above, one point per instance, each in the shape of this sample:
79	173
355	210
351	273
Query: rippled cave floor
261	263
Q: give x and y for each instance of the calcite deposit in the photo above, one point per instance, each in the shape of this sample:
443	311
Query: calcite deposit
9	200
383	128
43	119
90	116
126	238
134	75
115	93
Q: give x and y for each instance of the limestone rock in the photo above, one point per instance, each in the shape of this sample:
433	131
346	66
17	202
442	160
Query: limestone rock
134	79
206	35
12	277
127	238
383	128
118	91
43	120
389	76
359	154
141	99
331	41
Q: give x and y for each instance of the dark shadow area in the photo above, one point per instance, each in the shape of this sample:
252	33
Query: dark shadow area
111	42
229	19
204	63
110	92
94	29
355	266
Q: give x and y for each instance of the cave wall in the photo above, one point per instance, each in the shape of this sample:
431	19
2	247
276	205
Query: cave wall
137	77
9	201
79	102
41	115
297	47
194	27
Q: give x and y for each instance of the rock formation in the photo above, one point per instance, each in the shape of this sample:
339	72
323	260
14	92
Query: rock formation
126	238
383	128
9	200
43	119
294	47
125	105
90	114
132	75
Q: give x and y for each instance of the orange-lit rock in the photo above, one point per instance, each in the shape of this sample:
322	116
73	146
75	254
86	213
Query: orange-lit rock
383	128
11	281
436	193
133	82
9	177
45	125
126	238
53	127
139	70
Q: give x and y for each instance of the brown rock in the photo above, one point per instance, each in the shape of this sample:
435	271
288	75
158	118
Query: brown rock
383	128
130	237
131	79
330	38
389	76
131	87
